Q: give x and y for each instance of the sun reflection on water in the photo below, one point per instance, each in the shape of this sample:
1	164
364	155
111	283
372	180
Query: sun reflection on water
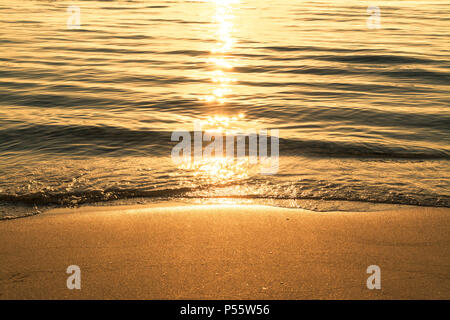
226	124
223	17
221	169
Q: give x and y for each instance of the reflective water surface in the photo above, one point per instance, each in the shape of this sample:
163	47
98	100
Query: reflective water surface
87	114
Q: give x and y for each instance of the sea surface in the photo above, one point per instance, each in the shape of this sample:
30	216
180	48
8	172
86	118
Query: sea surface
88	107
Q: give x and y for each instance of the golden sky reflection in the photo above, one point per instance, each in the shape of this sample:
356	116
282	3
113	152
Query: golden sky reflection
223	18
134	71
220	169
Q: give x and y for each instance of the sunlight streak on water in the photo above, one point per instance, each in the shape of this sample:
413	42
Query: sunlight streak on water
224	19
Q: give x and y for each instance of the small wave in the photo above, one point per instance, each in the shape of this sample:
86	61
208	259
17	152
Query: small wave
70	199
357	150
108	140
312	49
376	59
84	140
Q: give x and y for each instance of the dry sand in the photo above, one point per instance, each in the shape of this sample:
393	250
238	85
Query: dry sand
226	252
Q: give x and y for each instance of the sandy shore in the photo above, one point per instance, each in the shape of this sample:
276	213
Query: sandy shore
226	252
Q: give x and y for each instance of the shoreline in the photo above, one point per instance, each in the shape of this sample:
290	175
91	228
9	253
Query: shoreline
179	251
11	211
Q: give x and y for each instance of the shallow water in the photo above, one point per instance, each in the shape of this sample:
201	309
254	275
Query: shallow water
87	114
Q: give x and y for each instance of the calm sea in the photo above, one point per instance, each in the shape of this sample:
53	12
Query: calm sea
361	102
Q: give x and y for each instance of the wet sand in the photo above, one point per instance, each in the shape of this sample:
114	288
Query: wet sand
225	252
